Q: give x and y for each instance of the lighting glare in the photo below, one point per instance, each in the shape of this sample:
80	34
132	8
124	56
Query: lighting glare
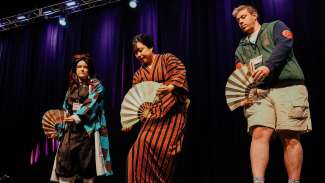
133	4
71	3
62	21
22	17
48	12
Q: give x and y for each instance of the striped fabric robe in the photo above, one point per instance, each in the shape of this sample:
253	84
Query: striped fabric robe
152	156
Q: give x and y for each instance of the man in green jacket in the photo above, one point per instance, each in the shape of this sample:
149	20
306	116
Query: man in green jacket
282	104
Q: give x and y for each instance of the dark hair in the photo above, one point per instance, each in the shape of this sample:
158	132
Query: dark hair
86	58
73	78
144	39
74	84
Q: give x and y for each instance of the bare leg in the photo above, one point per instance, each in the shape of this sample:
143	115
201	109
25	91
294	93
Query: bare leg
259	150
293	154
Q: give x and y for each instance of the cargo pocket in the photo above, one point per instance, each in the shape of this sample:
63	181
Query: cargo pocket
300	107
298	112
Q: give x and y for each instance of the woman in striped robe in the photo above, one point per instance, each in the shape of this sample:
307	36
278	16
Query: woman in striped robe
152	156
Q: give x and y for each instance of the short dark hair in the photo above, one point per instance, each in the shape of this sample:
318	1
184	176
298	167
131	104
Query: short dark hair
144	39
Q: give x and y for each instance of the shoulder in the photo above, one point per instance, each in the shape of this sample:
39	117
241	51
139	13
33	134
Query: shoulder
242	41
168	57
276	24
281	30
269	25
272	22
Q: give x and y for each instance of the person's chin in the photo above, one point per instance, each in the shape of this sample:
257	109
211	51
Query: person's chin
244	29
83	77
248	30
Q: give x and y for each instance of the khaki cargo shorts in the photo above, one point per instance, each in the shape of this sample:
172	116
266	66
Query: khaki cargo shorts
284	108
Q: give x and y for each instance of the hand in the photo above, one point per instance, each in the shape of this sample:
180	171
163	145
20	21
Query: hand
69	119
248	102
260	73
165	89
145	111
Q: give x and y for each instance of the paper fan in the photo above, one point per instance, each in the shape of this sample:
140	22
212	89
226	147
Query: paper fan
239	86
50	119
144	92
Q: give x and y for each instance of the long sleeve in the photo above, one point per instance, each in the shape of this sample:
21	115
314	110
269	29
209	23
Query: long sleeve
283	40
238	60
136	78
65	104
176	75
88	109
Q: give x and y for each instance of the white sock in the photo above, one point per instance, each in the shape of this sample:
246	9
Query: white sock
258	180
293	181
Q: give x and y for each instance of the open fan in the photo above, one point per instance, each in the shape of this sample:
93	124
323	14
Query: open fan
144	92
239	87
50	119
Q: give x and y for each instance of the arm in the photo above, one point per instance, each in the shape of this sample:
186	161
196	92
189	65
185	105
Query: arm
283	40
88	108
136	78
238	62
176	73
175	83
65	105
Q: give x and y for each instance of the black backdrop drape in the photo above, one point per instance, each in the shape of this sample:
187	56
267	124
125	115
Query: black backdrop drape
35	60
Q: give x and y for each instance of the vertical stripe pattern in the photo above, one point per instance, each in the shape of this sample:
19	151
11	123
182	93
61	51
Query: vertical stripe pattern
151	158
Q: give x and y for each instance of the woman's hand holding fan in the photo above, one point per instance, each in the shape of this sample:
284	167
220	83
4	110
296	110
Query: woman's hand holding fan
50	120
136	103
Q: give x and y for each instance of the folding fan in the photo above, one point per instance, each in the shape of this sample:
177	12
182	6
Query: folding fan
49	121
239	87
141	93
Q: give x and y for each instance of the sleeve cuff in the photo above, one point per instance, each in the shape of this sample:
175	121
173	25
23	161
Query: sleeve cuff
270	66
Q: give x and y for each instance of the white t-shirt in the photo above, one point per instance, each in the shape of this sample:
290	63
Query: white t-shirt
252	38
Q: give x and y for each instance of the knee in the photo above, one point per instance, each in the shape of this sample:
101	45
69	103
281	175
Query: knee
291	141
262	134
